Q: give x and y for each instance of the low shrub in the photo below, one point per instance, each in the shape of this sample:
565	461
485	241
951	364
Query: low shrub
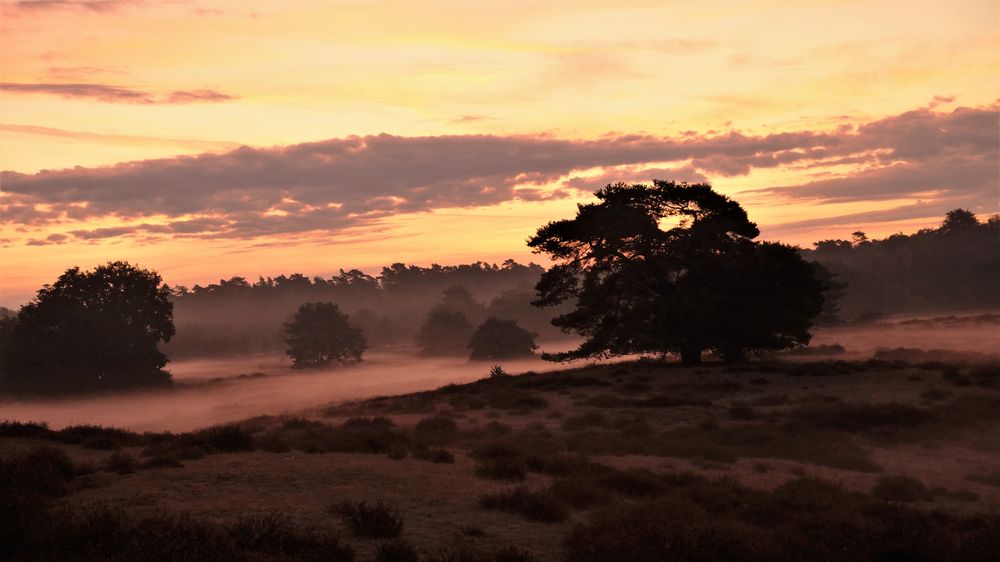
857	418
502	468
990	479
377	520
805	519
121	463
397	550
901	489
584	421
436	430
535	506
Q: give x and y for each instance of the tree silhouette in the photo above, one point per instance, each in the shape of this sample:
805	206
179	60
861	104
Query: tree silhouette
91	331
444	332
702	284
501	339
958	220
320	334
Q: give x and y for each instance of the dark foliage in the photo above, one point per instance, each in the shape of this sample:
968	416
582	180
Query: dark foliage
701	285
536	506
398	550
98	533
91	331
953	267
501	339
436	430
444	332
320	334
378	520
901	489
699	519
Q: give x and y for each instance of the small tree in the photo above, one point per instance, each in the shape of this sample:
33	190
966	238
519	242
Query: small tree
91	331
320	334
501	339
444	332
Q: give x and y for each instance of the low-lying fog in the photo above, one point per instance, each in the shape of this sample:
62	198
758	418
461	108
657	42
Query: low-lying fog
199	400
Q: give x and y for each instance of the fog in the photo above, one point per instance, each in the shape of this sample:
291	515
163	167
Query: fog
212	391
197	401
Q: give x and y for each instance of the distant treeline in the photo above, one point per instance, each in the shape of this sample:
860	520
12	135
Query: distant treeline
953	267
239	316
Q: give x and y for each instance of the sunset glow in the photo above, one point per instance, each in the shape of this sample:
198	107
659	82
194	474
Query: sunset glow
208	139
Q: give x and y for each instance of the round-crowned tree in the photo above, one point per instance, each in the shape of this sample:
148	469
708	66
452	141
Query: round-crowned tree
320	334
91	331
501	339
702	284
444	332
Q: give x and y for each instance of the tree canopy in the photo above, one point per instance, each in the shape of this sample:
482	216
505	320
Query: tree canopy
501	339
673	268
319	334
950	268
91	331
444	332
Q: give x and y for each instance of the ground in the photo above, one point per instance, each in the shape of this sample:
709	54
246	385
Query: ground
860	425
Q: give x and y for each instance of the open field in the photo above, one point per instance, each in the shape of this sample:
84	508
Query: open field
894	455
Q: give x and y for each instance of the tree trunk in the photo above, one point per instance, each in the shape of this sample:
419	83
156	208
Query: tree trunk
690	355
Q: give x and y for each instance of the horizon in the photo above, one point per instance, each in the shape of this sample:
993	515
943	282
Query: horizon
212	140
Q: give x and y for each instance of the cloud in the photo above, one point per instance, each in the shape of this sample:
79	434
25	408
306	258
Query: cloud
97	6
110	138
115	94
336	184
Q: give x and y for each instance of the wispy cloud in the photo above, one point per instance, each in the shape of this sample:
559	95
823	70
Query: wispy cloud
337	184
99	6
115	94
111	138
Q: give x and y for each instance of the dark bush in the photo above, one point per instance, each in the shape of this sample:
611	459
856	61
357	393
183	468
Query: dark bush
122	463
227	438
536	506
436	430
397	550
584	421
990	479
440	456
501	339
98	533
502	468
160	462
378	520
856	418
901	489
30	430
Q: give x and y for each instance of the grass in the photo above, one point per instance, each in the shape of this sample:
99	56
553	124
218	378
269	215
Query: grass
376	520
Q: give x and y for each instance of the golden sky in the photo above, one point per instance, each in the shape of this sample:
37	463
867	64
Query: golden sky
211	139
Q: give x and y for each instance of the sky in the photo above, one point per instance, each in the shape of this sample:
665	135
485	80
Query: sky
212	139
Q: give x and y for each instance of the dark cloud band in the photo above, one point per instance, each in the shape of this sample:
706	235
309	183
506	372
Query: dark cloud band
339	183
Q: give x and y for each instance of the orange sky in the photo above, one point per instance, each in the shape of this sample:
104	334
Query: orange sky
820	117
